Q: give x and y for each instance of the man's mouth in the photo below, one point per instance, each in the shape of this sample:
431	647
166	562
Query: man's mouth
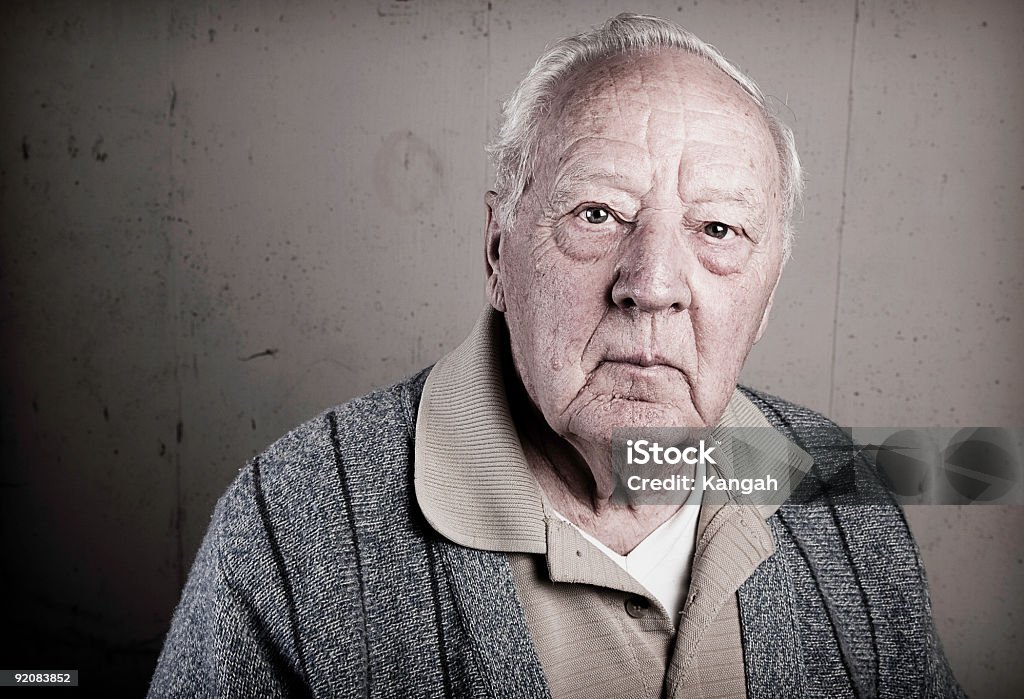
641	359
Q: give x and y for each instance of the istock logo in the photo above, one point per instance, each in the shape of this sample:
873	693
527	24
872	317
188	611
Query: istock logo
642	452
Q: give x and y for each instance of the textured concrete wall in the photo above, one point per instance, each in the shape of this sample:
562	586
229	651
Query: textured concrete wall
220	218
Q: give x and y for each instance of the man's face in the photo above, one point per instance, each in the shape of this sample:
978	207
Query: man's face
645	250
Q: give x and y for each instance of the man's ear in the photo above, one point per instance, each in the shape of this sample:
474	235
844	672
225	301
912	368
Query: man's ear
767	310
492	254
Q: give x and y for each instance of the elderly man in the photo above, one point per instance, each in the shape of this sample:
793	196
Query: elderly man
463	532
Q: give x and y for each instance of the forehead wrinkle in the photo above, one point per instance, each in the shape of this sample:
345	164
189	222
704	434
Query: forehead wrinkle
595	156
599	112
749	167
630	75
653	99
709	82
622	73
617	98
666	125
701	75
720	121
756	152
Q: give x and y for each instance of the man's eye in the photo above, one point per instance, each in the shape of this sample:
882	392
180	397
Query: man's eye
596	215
717	229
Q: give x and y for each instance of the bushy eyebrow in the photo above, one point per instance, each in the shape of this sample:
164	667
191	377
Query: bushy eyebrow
744	196
569	181
583	173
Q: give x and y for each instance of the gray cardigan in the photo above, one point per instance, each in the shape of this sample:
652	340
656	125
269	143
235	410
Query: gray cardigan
319	577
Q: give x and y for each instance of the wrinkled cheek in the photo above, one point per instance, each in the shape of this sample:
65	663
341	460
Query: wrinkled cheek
724	337
557	314
566	301
527	325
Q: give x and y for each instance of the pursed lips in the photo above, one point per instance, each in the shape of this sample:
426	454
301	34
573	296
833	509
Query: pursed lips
646	376
641	371
642	359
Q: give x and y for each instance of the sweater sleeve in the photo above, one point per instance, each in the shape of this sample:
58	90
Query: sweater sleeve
940	681
222	638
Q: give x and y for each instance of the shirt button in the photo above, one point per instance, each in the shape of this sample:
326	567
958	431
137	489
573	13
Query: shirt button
637	607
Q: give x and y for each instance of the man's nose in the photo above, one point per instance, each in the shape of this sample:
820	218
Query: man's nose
653	273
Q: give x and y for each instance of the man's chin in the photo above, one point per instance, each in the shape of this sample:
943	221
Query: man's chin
647	420
628	412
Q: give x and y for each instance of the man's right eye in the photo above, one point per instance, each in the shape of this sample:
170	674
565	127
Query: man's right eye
595	215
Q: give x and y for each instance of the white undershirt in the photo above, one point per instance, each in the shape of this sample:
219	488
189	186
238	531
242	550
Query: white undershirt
661	562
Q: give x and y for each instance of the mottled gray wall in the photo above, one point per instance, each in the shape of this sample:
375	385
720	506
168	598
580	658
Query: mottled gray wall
219	219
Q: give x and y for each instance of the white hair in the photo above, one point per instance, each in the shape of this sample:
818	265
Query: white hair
514	147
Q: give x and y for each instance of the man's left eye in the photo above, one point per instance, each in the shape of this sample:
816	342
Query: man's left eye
596	215
717	229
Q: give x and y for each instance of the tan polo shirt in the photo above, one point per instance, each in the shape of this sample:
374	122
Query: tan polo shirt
597	631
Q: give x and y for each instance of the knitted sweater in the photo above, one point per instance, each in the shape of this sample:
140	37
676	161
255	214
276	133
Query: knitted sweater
318	576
